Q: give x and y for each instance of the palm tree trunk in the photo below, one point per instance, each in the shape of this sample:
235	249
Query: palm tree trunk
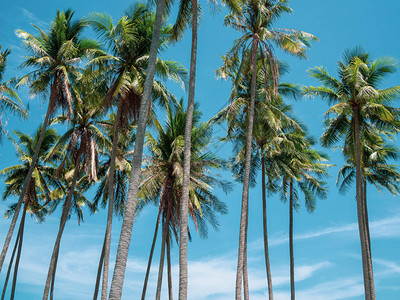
245	273
63	220
170	295
99	268
246	177
162	256
53	276
360	210
146	278
291	203
110	203
126	230
11	262
25	185
21	237
183	268
368	242
266	249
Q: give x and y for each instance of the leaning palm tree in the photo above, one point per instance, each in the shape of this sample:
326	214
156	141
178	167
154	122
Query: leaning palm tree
163	179
9	100
128	43
255	22
83	140
360	108
39	194
54	58
298	167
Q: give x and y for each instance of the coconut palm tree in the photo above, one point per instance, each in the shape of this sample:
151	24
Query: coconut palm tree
255	22
83	140
54	58
360	108
9	100
163	174
271	117
122	169
128	43
298	167
39	194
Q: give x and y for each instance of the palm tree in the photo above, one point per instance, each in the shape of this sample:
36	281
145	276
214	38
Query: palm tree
55	57
129	45
39	193
298	166
163	179
83	139
271	119
122	170
9	100
255	21
359	108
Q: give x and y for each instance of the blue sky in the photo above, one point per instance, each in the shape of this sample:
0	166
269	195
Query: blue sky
327	251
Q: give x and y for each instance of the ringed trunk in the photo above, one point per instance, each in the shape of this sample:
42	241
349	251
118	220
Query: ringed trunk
183	268
126	230
291	203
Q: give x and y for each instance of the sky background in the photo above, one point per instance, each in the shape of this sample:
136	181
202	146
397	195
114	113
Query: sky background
327	251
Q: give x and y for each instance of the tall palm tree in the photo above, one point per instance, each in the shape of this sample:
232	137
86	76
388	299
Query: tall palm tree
122	169
83	139
272	116
39	193
359	108
298	167
9	100
163	177
54	57
255	22
128	42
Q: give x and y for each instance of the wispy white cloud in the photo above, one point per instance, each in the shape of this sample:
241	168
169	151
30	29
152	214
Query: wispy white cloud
32	17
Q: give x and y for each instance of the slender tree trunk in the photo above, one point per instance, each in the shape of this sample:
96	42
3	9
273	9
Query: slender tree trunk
291	203
368	242
161	267
53	276
11	262
183	268
266	249
110	203
98	277
245	193
21	238
245	273
25	185
63	220
146	278
170	294
126	230
360	210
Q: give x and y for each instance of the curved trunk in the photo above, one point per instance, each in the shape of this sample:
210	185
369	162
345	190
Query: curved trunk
126	230
246	177
360	208
25	185
292	290
110	204
183	268
64	216
11	263
162	256
266	249
170	295
21	237
99	268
